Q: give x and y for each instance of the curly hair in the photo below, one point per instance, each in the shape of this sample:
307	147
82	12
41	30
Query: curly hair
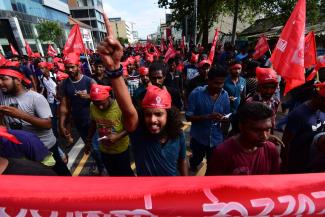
173	126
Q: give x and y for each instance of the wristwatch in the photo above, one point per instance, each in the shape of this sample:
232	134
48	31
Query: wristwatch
114	74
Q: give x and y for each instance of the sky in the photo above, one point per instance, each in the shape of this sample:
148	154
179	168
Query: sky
144	13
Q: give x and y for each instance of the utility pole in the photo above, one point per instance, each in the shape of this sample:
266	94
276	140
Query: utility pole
234	25
195	27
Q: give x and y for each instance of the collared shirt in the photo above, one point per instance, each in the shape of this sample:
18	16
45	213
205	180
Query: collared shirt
236	90
207	132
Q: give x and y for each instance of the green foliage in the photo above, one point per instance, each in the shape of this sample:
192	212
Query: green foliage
49	31
123	41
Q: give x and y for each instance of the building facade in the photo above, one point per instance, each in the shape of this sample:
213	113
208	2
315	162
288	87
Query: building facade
90	12
18	20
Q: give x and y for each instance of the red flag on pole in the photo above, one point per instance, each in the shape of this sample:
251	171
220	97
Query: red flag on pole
170	53
213	48
51	51
163	45
183	43
74	43
261	47
320	64
13	50
3	60
310	50
170	45
288	55
28	49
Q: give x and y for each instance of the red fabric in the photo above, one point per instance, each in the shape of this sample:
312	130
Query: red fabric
183	43
171	53
203	62
149	58
36	55
74	43
4	133
321	88
43	65
12	63
51	51
320	64
57	59
137	58
229	158
125	68
130	60
13	50
71	58
261	47
162	45
13	73
28	49
310	50
180	67
213	48
99	92
266	75
60	76
156	98
143	70
281	195
3	60
61	67
194	58
288	56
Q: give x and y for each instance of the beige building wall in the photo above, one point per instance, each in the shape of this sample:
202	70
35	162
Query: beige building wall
119	29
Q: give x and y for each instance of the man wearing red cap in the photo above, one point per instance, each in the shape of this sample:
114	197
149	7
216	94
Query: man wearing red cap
304	122
28	110
106	117
158	141
144	76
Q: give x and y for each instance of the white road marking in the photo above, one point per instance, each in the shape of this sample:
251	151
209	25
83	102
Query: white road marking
73	153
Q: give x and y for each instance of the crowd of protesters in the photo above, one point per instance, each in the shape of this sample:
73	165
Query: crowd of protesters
126	103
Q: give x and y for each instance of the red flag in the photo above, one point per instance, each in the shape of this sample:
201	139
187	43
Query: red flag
288	55
310	50
74	43
170	54
3	60
163	45
28	49
213	48
320	64
261	47
170	45
183	43
51	51
13	50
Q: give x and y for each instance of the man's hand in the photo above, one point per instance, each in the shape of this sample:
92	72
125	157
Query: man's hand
232	98
112	138
83	95
12	112
110	49
216	116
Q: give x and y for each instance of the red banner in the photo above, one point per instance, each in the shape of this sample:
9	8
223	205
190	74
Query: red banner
310	50
261	47
74	43
213	48
28	49
3	60
13	50
163	196
288	56
51	51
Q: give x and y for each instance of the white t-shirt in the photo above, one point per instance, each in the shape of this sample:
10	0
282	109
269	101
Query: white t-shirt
34	104
50	86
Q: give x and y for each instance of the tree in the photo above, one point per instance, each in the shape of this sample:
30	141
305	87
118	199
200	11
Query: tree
123	41
49	31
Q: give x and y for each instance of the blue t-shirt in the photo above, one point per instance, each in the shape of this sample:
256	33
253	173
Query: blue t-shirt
208	132
79	106
304	124
235	90
31	148
155	159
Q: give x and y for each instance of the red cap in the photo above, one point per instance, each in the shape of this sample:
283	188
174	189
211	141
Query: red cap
194	58
180	67
72	58
143	70
321	88
99	92
57	60
4	133
149	58
203	62
36	55
266	75
15	74
61	67
60	76
12	63
156	98
137	58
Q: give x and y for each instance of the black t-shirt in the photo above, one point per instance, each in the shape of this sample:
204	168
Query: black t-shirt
27	167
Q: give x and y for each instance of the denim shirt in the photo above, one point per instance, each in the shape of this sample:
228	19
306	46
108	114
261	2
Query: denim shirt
207	132
235	90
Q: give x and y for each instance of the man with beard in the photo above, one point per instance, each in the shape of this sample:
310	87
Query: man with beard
201	79
158	140
249	152
235	85
28	110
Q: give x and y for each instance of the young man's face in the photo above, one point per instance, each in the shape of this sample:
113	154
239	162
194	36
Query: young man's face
45	71
267	90
235	71
72	70
157	78
155	119
102	104
204	70
256	132
215	85
99	69
7	84
144	79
